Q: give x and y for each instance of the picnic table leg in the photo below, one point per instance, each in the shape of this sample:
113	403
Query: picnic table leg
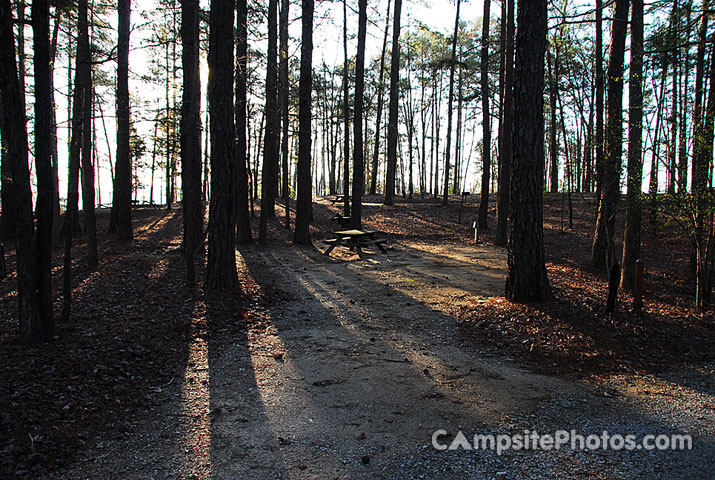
330	249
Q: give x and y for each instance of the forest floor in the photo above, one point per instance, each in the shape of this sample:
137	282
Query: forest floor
340	367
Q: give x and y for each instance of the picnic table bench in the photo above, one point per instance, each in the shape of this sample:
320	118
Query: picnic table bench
355	240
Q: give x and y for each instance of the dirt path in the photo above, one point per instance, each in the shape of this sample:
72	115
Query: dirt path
353	364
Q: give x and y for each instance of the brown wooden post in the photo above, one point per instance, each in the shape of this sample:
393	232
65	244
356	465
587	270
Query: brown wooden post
638	289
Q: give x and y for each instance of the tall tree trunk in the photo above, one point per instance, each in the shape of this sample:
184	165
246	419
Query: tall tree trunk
699	94
270	143
121	216
44	136
599	97
486	121
450	99
81	84
304	198
632	239
243	221
553	67
506	130
358	153
380	91
527	279
153	160
392	134
190	128
32	326
284	90
221	265
53	132
682	140
436	136
655	158
87	172
603	254
7	215
702	160
169	193
673	119
346	115
458	139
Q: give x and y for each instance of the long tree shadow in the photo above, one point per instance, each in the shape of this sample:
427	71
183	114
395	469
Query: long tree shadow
372	372
231	426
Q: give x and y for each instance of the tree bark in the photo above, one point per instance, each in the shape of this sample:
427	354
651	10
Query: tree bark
346	115
243	221
121	216
44	135
599	97
506	130
450	98
527	278
392	136
699	98
7	216
221	265
81	83
486	122
285	107
358	154
190	127
304	198
553	67
272	131
632	239
380	91
684	99
87	175
32	326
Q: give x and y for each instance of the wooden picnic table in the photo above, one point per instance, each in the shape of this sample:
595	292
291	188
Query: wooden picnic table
355	240
337	199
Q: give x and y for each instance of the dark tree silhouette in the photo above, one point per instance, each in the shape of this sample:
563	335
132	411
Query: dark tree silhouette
346	115
486	124
603	251
527	278
121	217
243	221
87	176
378	115
44	209
505	132
303	204
358	154
392	115
284	105
191	135
599	97
450	100
271	141
83	79
32	326
632	239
